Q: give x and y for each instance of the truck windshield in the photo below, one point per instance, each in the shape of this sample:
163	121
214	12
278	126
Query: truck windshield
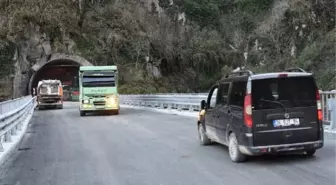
98	81
49	88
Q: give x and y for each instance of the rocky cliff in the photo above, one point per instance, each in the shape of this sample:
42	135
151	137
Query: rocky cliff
167	45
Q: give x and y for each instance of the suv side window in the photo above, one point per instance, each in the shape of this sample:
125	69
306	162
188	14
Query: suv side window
237	94
213	98
224	93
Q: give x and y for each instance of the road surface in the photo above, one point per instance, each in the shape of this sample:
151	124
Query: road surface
141	147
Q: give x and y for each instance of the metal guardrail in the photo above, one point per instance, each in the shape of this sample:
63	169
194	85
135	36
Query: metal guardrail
191	102
13	113
328	99
10	105
180	102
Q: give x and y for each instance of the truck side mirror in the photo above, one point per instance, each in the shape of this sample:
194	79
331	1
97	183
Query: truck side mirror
203	104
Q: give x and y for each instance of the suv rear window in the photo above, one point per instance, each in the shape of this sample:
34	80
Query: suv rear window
283	93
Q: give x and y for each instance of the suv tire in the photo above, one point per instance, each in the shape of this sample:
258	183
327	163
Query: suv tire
204	140
310	152
235	155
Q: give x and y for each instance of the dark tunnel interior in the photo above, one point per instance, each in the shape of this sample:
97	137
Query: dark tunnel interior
64	70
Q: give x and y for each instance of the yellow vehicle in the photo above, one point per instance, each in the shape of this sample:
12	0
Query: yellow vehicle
98	89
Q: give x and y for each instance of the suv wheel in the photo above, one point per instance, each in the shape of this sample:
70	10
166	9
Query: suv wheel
204	140
310	152
235	154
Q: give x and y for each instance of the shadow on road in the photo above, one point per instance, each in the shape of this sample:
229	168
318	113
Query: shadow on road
283	158
271	159
47	109
100	113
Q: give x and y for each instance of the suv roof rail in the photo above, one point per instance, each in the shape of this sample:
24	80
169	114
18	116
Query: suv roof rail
295	69
240	73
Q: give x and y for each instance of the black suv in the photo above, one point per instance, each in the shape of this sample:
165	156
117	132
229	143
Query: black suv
256	114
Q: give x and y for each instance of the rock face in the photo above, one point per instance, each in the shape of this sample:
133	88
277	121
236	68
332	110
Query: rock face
153	71
33	52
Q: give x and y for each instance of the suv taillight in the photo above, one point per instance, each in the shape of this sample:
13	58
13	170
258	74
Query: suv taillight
319	106
248	111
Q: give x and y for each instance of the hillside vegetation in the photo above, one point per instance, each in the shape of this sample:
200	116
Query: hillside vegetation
181	45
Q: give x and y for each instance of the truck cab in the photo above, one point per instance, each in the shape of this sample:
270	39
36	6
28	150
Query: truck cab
49	94
98	90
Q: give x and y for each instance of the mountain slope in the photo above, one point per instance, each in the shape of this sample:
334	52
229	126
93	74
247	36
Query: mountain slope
176	46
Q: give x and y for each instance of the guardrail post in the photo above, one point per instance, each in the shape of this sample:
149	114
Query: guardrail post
8	137
332	113
1	147
13	131
179	107
169	107
161	106
191	108
19	126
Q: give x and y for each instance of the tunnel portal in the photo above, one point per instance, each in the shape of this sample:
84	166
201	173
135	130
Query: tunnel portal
64	70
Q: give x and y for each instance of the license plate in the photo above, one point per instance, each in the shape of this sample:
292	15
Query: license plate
286	122
100	107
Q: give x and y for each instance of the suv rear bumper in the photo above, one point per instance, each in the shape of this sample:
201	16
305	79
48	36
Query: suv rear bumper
257	150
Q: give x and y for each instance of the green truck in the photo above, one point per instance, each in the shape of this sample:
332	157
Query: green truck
98	89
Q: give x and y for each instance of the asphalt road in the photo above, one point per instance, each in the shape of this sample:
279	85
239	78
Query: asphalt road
141	147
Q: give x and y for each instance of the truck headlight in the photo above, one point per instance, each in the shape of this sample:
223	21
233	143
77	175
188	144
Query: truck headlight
86	101
112	100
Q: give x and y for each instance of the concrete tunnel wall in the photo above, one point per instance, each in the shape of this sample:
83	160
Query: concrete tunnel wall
55	60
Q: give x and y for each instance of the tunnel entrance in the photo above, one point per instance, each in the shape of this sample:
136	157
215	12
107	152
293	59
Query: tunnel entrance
64	70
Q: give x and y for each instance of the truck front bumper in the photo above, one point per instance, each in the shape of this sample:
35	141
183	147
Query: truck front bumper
90	107
49	104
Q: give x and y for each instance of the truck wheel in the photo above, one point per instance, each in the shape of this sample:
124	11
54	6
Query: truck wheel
82	113
234	152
